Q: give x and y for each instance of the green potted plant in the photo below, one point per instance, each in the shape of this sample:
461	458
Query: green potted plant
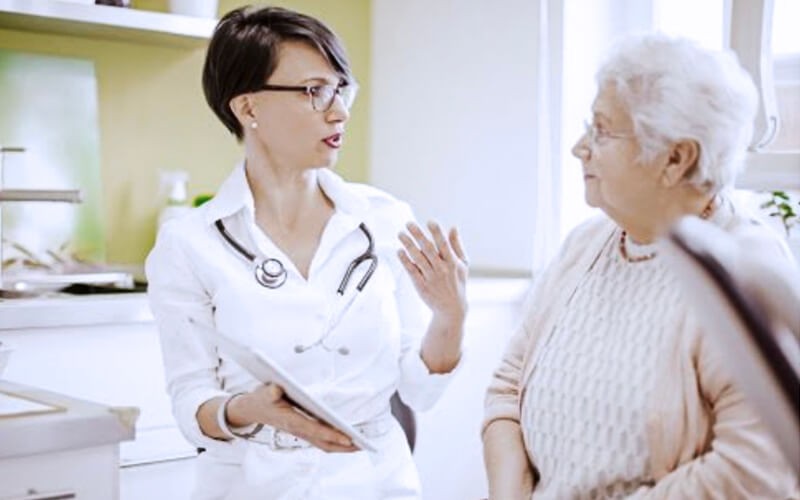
782	206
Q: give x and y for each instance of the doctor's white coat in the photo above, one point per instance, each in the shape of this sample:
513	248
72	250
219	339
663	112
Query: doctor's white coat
193	272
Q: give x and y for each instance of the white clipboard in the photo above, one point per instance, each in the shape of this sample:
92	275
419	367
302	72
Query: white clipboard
267	371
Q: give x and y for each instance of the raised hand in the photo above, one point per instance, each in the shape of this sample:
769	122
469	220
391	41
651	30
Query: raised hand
438	267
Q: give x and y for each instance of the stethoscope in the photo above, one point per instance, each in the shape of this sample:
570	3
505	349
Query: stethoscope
271	273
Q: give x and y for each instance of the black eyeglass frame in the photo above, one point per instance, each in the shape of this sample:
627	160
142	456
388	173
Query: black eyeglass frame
309	90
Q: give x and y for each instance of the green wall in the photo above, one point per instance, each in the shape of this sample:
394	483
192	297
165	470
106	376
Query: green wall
153	116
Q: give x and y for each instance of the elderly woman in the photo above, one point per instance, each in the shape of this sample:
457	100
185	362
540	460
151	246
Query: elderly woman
609	389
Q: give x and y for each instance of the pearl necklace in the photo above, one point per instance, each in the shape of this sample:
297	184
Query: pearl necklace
623	249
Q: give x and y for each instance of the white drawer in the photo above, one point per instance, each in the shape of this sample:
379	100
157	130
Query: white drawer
88	474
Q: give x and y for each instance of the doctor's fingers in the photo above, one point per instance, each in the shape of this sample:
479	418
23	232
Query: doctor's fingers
442	246
458	247
272	408
317	433
427	247
415	255
451	249
412	269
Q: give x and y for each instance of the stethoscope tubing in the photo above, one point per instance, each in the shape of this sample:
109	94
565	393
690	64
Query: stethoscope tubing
369	254
271	272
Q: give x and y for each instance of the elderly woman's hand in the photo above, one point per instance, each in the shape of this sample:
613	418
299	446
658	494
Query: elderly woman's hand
438	269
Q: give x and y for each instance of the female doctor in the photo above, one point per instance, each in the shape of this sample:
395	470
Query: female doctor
290	259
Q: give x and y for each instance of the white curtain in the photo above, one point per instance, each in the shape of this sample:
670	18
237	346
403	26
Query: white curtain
548	136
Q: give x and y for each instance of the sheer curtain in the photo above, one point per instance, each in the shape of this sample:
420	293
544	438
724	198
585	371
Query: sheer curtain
548	139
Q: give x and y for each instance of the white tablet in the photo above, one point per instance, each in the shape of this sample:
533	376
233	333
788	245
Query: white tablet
267	371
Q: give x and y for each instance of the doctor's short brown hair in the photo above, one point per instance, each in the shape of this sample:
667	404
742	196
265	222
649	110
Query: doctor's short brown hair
243	54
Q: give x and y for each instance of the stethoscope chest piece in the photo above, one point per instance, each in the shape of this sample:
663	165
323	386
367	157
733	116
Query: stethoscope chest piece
270	273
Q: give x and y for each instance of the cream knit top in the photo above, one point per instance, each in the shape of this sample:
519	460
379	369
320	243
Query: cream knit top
585	405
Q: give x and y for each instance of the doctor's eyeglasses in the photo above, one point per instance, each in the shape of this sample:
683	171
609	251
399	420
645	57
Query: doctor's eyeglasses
322	96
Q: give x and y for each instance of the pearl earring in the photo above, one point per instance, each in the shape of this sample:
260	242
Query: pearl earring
254	125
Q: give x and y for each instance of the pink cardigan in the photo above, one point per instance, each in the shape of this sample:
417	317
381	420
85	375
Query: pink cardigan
704	440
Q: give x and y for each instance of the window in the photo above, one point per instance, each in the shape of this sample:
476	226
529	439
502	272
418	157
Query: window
591	26
786	60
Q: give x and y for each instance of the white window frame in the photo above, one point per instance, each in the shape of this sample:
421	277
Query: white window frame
749	34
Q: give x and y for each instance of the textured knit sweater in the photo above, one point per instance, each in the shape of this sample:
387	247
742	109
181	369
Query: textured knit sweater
703	441
587	397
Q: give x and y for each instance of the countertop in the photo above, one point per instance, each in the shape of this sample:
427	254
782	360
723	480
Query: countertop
80	424
86	310
74	310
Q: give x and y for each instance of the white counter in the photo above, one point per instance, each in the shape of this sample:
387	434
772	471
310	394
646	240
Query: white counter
89	310
74	310
76	424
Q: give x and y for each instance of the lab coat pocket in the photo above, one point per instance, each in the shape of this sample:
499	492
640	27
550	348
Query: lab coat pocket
372	322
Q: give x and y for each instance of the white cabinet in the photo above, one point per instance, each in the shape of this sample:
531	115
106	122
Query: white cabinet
107	351
90	474
64	448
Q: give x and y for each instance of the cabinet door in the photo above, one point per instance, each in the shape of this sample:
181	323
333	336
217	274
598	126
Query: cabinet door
86	474
117	365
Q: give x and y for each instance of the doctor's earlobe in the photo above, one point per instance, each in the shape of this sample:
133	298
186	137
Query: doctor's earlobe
242	109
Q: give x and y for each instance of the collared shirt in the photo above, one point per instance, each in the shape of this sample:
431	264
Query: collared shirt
193	272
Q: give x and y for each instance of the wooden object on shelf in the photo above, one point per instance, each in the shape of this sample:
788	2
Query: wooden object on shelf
19	405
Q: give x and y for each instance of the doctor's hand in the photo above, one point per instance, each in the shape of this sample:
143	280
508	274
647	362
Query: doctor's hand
266	405
438	268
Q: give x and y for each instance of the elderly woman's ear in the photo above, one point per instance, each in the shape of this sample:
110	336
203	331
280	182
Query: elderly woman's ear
681	162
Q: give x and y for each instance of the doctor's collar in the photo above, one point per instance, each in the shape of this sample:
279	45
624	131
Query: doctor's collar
343	196
234	195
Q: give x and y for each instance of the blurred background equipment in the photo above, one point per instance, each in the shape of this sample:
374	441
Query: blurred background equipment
174	188
50	109
50	117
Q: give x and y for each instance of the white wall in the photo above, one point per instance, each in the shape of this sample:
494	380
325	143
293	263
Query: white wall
449	451
454	119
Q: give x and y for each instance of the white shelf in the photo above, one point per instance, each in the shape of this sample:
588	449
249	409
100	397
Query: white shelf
105	22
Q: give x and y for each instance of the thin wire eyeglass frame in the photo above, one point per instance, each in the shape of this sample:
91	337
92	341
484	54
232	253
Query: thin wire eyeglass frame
592	131
321	96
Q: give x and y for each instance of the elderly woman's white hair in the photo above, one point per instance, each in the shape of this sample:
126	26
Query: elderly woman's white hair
676	90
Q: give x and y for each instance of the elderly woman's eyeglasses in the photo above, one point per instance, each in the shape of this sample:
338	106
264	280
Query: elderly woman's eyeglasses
322	96
598	135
